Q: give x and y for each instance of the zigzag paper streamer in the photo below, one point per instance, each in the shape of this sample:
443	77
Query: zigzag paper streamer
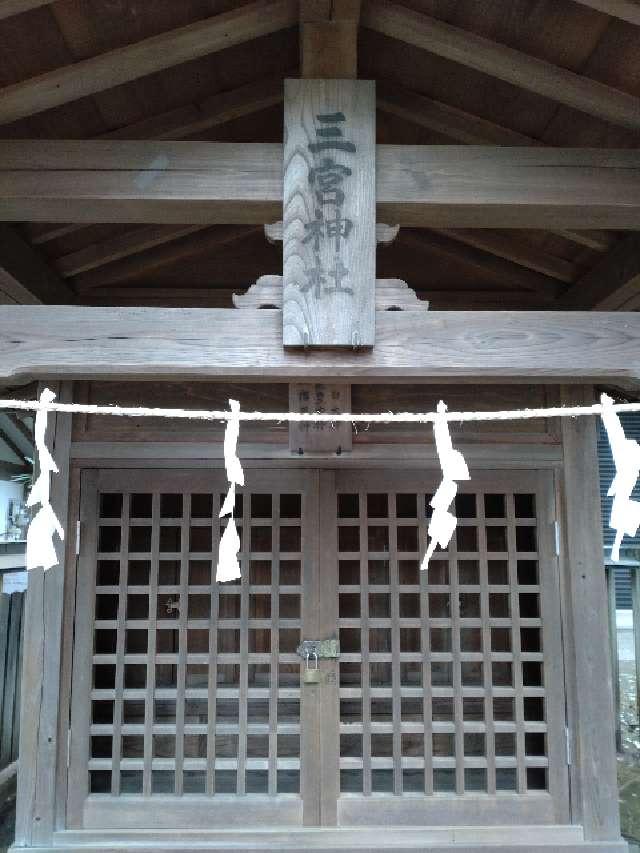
41	552
625	513
443	523
228	566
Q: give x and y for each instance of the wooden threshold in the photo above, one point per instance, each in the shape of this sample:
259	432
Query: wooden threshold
471	839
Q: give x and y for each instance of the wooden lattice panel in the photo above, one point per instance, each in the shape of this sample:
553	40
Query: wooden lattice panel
442	683
195	685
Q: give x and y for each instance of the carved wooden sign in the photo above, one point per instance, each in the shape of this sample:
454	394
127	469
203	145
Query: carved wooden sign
329	230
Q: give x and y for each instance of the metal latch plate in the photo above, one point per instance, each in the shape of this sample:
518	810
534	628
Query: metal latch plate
321	649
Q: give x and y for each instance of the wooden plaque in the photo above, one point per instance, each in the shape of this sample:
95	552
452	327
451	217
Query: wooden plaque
329	238
323	397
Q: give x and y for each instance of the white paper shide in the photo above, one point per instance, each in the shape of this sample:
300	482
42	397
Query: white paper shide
443	523
625	512
41	551
228	565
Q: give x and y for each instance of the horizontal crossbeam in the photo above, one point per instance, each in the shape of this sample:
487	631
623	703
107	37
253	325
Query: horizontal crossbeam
421	186
169	343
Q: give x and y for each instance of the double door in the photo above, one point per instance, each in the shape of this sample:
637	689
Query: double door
190	703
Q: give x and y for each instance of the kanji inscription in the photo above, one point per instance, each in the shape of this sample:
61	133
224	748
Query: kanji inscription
329	213
319	398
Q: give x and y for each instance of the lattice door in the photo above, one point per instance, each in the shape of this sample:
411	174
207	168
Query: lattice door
187	703
451	695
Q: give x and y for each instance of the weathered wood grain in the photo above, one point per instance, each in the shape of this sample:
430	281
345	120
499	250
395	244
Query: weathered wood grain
156	343
145	57
422	186
329	177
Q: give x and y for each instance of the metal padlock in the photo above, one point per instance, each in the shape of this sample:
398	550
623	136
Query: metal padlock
312	676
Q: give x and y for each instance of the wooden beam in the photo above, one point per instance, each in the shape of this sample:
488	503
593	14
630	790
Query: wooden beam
161	343
203	115
385	234
471	129
9	8
626	10
420	186
13	447
505	63
221	297
25	277
145	263
120	246
145	57
498	268
445	119
511	248
611	283
180	123
329	39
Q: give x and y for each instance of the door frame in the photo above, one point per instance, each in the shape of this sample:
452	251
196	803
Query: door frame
551	806
229	809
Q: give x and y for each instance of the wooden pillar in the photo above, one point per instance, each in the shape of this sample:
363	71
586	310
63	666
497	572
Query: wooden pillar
613	653
329	39
40	723
594	786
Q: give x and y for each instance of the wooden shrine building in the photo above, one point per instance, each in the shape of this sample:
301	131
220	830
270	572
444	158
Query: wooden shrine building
338	206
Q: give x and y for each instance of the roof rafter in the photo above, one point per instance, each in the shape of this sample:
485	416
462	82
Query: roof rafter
145	57
499	268
626	10
516	250
178	124
121	246
9	8
471	129
25	277
498	60
612	283
11	444
138	264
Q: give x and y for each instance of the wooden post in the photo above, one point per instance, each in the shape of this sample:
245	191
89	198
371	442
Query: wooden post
635	604
40	725
329	39
588	666
613	653
329	213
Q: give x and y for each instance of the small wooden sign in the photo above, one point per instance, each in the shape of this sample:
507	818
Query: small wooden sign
329	224
324	398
